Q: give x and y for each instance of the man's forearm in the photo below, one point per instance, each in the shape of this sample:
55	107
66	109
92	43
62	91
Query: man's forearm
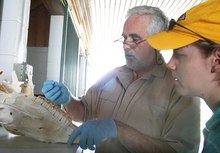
134	141
75	110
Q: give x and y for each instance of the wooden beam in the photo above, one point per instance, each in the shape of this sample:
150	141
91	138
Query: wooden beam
55	7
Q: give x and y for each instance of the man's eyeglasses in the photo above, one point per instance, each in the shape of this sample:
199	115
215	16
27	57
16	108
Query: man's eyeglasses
172	23
132	44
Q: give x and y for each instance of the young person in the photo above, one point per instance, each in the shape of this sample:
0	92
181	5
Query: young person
195	64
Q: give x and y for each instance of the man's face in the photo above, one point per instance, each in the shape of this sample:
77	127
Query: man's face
139	57
191	71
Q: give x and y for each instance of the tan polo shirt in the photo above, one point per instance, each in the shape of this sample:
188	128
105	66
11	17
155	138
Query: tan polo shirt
150	104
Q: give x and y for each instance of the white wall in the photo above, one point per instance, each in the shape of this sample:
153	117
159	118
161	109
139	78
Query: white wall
55	46
13	35
13	44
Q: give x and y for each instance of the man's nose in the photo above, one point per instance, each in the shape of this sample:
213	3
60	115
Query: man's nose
126	46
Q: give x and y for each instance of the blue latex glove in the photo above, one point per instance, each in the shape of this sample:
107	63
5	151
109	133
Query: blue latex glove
93	132
56	92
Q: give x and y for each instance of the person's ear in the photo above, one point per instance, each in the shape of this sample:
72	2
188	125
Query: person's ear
216	61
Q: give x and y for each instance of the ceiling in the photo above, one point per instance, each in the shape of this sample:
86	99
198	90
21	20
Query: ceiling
102	20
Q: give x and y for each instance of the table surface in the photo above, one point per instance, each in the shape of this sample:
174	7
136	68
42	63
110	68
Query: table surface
22	144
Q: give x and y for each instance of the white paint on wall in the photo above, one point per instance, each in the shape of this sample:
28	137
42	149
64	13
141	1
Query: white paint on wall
13	35
55	47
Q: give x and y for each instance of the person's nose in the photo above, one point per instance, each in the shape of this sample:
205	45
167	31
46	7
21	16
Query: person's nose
171	65
126	46
128	43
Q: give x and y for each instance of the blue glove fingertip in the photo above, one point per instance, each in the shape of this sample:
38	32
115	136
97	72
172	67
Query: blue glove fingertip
47	86
74	135
90	141
54	98
67	97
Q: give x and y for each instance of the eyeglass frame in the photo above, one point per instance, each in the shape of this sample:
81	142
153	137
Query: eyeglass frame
136	43
172	23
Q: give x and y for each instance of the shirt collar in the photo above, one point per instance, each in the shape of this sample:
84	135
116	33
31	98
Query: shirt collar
125	75
214	121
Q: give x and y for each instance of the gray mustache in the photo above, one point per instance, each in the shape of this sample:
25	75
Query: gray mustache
129	52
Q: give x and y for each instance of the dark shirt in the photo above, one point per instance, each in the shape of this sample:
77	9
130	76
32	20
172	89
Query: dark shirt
212	134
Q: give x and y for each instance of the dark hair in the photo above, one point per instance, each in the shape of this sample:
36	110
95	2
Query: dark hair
206	48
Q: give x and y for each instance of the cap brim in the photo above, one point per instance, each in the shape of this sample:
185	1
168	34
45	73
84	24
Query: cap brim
170	40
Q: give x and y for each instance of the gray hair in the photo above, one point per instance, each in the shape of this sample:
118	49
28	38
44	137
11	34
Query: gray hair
159	22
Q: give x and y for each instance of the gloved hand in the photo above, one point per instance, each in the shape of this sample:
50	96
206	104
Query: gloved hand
56	92
93	132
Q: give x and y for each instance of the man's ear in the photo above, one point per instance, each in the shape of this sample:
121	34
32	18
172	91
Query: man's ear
216	61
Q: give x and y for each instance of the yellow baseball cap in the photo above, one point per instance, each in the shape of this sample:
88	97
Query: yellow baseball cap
201	22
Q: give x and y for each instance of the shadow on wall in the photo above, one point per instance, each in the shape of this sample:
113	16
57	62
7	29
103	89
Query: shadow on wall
37	57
